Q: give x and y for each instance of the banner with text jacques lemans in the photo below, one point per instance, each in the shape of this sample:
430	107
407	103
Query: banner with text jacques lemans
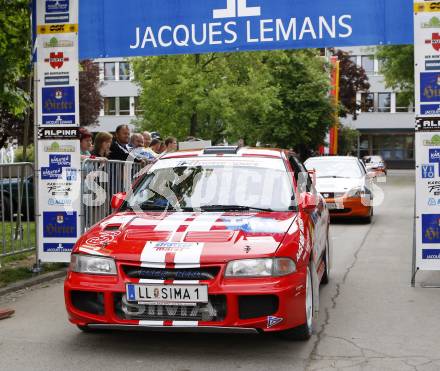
115	28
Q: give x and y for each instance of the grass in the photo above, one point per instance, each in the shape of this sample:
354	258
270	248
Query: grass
17	267
17	272
9	244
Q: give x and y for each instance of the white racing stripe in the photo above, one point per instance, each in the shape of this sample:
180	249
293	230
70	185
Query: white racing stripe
142	280
172	222
150	323
185	323
203	222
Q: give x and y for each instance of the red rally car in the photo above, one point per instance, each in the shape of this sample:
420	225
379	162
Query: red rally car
224	239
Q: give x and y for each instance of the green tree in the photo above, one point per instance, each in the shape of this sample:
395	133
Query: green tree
398	68
14	65
90	102
304	115
210	95
278	98
348	138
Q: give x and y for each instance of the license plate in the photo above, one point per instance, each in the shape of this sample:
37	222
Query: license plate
167	294
332	206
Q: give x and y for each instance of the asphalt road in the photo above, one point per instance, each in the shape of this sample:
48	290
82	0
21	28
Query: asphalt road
370	319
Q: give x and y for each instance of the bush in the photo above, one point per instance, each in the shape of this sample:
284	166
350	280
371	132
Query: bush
29	154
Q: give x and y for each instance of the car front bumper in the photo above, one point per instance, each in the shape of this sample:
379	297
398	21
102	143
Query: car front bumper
241	305
348	207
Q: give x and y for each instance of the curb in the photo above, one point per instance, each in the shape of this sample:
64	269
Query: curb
42	278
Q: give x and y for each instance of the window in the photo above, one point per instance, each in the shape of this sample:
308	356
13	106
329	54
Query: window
368	64
384	102
137	107
124	106
367	102
394	147
110	106
109	71
124	71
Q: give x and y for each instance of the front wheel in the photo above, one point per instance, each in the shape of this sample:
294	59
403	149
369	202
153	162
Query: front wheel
326	276
303	332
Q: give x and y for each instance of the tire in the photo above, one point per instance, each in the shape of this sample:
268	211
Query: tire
303	332
326	276
85	329
368	219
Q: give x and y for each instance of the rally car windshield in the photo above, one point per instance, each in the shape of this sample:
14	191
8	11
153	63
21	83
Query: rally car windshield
213	185
335	168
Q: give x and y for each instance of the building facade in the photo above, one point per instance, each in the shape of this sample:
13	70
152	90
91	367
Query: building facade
120	94
385	123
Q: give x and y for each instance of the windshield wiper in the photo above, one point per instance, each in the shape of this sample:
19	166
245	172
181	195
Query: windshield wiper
332	176
232	208
151	205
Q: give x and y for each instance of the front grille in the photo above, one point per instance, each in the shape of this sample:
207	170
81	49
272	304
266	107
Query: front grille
340	211
214	311
87	301
254	306
178	274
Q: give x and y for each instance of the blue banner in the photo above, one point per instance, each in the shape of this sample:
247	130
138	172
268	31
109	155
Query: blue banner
115	28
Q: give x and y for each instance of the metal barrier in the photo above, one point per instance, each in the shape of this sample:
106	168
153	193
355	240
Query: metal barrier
100	180
17	209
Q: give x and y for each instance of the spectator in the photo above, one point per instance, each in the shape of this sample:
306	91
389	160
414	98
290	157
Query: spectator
136	141
86	142
119	149
155	147
162	148
138	151
103	142
147	139
170	144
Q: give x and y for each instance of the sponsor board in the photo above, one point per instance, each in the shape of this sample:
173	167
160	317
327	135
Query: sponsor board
431	254
429	87
428	124
433	141
57	29
431	228
58	247
434	188
430	109
60	224
59	120
427	7
59	147
59	133
55	12
434	155
428	171
55	42
158	27
58	100
432	65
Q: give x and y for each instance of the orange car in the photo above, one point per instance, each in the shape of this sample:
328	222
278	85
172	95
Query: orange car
345	184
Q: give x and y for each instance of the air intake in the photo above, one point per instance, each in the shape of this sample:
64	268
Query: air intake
221	150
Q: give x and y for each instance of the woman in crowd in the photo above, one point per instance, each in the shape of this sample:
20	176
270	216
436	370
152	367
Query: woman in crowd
103	141
86	143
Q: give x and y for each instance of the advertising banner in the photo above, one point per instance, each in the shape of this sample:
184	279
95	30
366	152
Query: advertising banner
58	159
427	91
114	28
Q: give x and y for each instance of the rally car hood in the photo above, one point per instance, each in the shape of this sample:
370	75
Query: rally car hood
186	238
337	185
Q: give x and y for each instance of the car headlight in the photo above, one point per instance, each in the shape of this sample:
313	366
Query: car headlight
260	267
356	193
92	265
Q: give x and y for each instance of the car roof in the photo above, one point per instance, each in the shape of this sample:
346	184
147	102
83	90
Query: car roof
241	152
338	158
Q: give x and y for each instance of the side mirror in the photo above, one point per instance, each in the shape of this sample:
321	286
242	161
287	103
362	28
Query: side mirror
118	199
312	174
308	201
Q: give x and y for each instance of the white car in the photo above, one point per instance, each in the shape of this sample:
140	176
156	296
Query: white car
345	184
